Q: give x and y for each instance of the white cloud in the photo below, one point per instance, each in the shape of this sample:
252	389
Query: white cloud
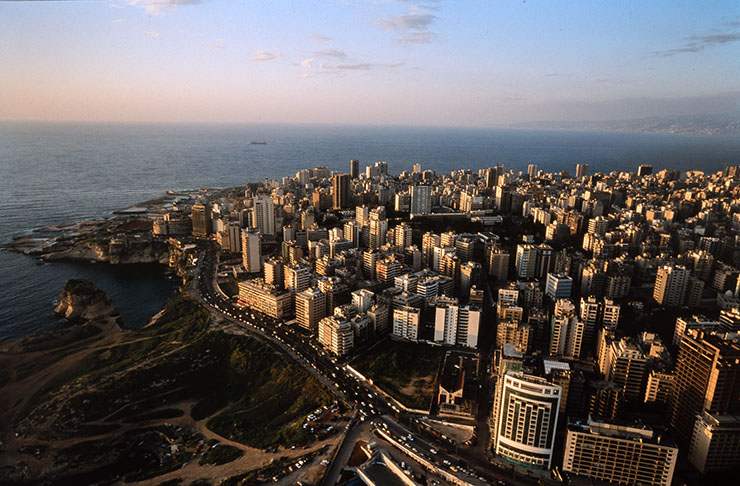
320	37
118	21
263	55
306	63
331	53
152	34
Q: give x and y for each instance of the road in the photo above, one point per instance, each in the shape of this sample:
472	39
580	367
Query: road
469	464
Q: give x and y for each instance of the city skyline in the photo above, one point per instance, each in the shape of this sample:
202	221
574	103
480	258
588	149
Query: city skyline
408	63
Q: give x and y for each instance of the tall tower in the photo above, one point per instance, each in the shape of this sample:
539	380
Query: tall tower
310	308
354	168
340	191
201	216
671	283
421	199
263	215
707	380
251	250
581	170
528	408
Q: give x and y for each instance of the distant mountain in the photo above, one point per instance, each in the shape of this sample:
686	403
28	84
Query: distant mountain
722	124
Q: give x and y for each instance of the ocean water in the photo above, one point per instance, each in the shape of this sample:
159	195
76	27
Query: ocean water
60	173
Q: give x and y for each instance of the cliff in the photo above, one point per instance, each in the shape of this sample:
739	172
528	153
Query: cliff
82	300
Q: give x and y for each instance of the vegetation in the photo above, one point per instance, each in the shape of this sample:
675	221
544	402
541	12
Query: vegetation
242	387
404	370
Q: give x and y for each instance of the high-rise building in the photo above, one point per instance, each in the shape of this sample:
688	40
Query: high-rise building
532	171
707	379
264	298
544	261
336	335
406	322
251	250
310	308
715	443
351	232
387	270
524	431
498	263
455	324
378	232
297	278
515	333
402	235
566	337
274	272
369	260
671	284
234	233
558	286
581	170
201	219
627	367
421	200
340	191
263	215
363	299
526	261
619	454
644	170
354	168
362	215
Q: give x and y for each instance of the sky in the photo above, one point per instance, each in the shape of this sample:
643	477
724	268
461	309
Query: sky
380	62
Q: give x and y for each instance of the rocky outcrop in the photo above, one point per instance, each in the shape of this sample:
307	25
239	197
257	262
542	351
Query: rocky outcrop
112	251
81	300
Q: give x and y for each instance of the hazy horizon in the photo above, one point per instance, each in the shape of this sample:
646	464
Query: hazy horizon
424	63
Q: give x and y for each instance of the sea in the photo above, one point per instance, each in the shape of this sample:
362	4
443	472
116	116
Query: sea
55	173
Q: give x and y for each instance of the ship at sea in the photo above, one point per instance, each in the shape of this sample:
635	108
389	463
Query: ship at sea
258	142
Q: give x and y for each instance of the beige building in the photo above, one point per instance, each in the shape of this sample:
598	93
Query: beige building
336	335
310	308
265	298
619	454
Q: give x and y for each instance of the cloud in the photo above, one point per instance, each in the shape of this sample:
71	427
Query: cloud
699	43
118	21
219	44
339	69
417	37
263	55
413	26
152	34
320	37
155	7
331	53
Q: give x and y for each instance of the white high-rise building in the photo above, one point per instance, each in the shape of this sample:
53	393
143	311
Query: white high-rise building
336	335
524	431
263	215
310	308
421	199
251	251
363	299
456	325
406	322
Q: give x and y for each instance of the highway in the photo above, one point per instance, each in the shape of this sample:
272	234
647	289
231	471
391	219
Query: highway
370	404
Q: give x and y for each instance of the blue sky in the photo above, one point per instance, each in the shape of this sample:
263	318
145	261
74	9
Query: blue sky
465	63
